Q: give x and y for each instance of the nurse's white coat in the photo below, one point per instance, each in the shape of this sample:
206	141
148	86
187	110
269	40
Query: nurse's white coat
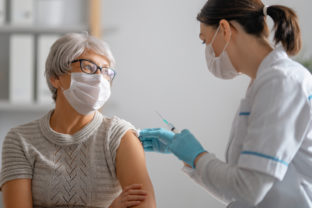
269	156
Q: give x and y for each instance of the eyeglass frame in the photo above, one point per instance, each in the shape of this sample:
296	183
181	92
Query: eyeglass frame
97	67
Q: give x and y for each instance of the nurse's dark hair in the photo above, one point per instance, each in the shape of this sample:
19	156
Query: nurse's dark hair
249	14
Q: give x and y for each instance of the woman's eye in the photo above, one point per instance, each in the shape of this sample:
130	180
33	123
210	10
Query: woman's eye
204	42
88	68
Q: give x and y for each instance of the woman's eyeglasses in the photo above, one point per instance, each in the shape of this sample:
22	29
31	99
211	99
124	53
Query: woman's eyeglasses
89	67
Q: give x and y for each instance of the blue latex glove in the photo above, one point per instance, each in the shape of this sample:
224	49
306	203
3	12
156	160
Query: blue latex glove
151	141
184	145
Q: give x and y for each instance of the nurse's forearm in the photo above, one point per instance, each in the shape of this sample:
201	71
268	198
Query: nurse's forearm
195	161
230	183
199	156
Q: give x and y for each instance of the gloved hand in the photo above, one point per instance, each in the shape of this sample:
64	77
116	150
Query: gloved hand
151	141
184	145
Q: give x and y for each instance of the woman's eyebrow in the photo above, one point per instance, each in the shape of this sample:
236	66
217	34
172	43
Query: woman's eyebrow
101	65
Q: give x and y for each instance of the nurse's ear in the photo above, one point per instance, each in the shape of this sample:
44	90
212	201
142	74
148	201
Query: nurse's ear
225	29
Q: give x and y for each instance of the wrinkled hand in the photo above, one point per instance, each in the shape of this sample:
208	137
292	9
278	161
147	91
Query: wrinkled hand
156	139
131	196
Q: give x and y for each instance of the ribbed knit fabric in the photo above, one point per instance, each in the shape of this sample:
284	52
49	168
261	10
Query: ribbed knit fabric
66	170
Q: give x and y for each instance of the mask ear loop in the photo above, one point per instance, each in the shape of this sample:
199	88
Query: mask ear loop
226	45
215	35
62	88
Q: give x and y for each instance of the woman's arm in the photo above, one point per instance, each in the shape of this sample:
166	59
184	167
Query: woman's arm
131	167
17	194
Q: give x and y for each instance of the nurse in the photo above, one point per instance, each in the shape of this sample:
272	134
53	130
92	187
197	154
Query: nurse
269	156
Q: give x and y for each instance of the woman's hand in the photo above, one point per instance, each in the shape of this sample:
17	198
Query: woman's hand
131	196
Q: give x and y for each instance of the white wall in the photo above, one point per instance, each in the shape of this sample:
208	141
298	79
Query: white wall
161	66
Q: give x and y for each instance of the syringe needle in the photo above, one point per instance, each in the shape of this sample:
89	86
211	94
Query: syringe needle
170	125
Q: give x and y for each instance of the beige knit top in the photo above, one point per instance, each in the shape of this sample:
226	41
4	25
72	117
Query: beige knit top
66	170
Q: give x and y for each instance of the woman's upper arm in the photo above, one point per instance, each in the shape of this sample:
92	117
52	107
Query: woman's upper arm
17	194
131	167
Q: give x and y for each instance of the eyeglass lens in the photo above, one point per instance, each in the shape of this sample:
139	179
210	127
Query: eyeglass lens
91	68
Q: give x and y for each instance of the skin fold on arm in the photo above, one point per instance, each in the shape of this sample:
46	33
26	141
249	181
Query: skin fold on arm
17	194
131	167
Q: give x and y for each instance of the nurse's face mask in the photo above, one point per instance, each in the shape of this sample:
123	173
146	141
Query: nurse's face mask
220	66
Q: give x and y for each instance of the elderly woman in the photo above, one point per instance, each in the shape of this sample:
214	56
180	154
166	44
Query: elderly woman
74	156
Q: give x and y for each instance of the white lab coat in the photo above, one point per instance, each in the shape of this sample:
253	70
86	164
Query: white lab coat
269	156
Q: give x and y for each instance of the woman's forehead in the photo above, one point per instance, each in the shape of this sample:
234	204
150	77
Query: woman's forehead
98	59
205	28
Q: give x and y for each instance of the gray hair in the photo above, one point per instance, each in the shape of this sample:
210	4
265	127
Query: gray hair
69	47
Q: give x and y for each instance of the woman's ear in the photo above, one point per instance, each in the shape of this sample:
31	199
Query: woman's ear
225	29
55	82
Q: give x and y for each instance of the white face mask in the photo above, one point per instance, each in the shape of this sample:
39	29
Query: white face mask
220	66
87	92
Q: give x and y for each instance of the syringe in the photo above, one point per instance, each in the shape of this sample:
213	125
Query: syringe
170	125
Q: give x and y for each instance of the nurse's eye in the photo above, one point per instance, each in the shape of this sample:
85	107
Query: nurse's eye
204	42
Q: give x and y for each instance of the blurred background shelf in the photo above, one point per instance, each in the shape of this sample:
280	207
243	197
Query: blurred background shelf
20	29
27	31
49	30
